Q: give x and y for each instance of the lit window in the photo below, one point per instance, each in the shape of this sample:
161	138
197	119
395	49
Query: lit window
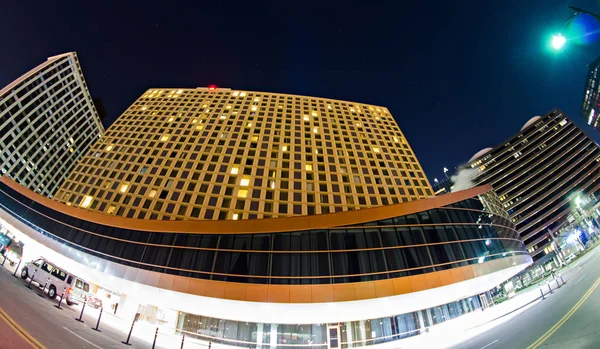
376	150
256	99
563	122
249	124
316	130
358	124
124	187
223	117
71	150
170	119
235	216
194	121
179	92
308	167
235	93
234	170
284	148
254	138
328	106
86	202
306	118
108	147
144	108
253	108
314	113
242	94
111	209
199	127
272	185
164	138
245	182
152	193
228	107
396	139
71	139
242	193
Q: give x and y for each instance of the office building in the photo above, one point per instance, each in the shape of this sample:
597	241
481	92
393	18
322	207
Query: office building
591	97
161	213
222	154
538	172
47	122
344	279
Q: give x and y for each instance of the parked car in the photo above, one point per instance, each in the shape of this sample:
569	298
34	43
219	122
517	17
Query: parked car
77	290
10	249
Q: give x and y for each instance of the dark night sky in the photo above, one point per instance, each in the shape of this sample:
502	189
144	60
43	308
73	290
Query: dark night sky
458	76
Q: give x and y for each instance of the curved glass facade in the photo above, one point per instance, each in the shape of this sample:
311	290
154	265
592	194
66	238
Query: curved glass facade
458	234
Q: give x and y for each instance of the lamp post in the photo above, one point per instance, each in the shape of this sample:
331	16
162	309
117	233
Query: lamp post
558	41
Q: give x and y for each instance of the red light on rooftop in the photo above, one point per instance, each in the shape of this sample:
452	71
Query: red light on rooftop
212	87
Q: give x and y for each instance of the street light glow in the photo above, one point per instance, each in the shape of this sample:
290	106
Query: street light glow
558	41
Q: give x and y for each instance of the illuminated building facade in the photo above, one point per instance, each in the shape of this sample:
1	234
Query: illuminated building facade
538	172
222	154
47	122
168	211
591	97
330	281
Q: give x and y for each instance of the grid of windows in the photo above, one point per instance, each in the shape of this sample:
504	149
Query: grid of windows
537	173
47	123
224	154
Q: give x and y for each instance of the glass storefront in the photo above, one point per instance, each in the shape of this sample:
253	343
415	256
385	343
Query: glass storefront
437	239
352	334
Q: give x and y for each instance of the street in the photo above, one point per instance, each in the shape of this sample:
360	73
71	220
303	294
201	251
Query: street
567	318
57	329
561	318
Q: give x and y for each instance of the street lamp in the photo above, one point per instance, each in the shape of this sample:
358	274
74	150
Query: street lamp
559	40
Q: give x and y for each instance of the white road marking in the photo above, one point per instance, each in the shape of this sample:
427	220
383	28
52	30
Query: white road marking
581	278
490	344
75	334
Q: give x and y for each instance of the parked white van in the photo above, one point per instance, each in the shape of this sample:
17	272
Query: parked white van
76	289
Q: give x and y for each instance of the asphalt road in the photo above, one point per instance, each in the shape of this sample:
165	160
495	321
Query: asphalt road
569	318
52	327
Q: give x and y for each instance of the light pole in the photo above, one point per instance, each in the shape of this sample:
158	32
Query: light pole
559	40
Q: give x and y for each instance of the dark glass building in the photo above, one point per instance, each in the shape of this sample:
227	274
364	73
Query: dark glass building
536	174
591	100
382	273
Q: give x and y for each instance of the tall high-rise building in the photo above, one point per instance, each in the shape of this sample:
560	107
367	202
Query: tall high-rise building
47	122
591	97
537	172
320	275
220	154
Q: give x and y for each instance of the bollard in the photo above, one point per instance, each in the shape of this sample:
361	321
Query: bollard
550	288
44	289
82	309
131	329
209	343
182	340
155	335
542	292
62	295
3	260
31	279
561	279
98	323
17	268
